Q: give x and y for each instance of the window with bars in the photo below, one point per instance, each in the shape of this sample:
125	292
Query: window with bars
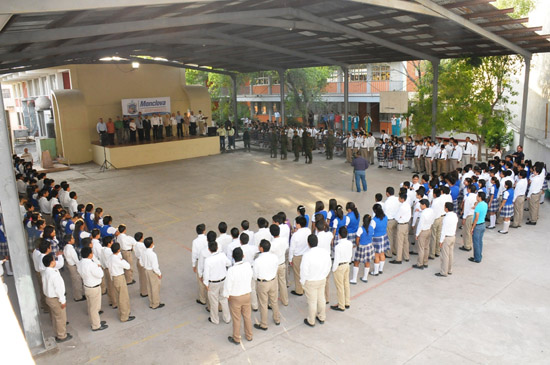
263	79
358	74
381	72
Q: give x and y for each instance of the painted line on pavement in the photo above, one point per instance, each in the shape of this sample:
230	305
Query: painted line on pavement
383	282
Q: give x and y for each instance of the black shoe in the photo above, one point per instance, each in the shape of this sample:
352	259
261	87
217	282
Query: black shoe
102	323
131	318
210	320
80	300
277	323
515	226
101	328
232	340
406	260
131	283
294	292
473	260
67	338
436	255
347	306
412	253
425	266
254	310
531	223
257	326
321	322
440	275
502	232
146	295
309	324
395	262
418	267
464	249
493	227
100	312
431	258
380	272
160	306
336	308
198	301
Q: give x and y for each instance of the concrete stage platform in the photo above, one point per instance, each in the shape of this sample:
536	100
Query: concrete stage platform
155	152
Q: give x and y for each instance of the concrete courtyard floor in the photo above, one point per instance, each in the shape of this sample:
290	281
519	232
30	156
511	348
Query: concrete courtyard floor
494	312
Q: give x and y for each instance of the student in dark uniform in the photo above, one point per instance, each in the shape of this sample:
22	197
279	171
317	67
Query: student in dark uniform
308	147
296	146
329	146
283	144
246	139
273	142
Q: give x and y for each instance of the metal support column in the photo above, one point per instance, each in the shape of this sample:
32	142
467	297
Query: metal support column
282	96
346	99
234	96
17	243
524	101
435	66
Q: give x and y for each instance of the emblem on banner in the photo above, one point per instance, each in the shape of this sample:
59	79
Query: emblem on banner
132	108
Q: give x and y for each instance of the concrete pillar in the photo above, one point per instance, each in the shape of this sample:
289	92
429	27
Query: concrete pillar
234	97
524	101
435	66
17	243
346	99
282	96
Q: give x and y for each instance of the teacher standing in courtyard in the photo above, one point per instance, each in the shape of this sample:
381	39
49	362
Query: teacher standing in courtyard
360	165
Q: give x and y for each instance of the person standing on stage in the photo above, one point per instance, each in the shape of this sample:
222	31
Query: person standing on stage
101	129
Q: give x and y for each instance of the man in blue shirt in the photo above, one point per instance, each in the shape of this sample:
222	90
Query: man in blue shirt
359	166
478	227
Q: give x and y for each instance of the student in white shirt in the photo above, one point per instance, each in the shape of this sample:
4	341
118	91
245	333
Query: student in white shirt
72	265
54	290
215	272
423	233
279	246
127	244
314	268
535	192
402	218
391	206
447	240
298	247
117	265
468	218
340	270
92	276
223	239
441	158
237	290
139	250
519	198
198	245
153	273
265	273
106	254
73	203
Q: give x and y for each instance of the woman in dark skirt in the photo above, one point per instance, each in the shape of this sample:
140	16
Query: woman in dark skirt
380	239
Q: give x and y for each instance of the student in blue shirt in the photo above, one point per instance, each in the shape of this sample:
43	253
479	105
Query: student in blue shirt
478	227
302	212
353	223
507	206
319	209
332	204
365	250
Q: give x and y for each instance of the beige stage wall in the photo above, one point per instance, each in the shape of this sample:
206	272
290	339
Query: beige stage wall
97	91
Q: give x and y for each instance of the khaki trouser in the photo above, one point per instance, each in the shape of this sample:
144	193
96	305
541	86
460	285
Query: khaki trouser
240	306
315	294
423	247
153	288
467	232
110	288
42	296
281	279
58	316
142	279
349	152
417	166
253	295
453	164
185	130
392	232
202	127
267	293
103	284
364	153
341	281
370	155
202	291
534	204
402	241
441	166
93	299
76	280
436	234
466	159
428	165
518	210
123	299
128	274
447	252
215	296
296	262
327	286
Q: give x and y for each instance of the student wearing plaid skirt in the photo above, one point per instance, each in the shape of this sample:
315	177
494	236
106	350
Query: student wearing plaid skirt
380	240
389	154
493	202
380	149
353	223
339	221
507	206
364	249
409	152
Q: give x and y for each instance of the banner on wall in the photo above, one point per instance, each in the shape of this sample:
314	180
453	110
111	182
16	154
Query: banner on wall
394	102
146	106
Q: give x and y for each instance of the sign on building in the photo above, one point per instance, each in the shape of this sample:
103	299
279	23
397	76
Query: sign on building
146	106
394	102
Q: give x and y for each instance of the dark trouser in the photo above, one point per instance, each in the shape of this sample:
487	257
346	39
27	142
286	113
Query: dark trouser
160	131
132	136
283	152
309	156
168	131
140	134
222	143
119	134
231	141
111	138
155	132
273	150
103	140
179	128
329	151
193	129
296	154
247	145
147	134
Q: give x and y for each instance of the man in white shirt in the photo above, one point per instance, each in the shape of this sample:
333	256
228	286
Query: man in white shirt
340	270
215	272
245	225
438	206
106	254
249	252
371	142
223	239
402	218
391	206
235	242
298	246
64	198
468	218
92	276
535	191
265	273
279	246
314	268
139	250
199	244
127	244
467	153
349	142
54	291
117	265
263	232
72	265
152	271
237	290
447	240
73	203
519	198
456	155
441	157
325	238
423	233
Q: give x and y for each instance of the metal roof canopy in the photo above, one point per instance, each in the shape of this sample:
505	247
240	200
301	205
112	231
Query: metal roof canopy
256	35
